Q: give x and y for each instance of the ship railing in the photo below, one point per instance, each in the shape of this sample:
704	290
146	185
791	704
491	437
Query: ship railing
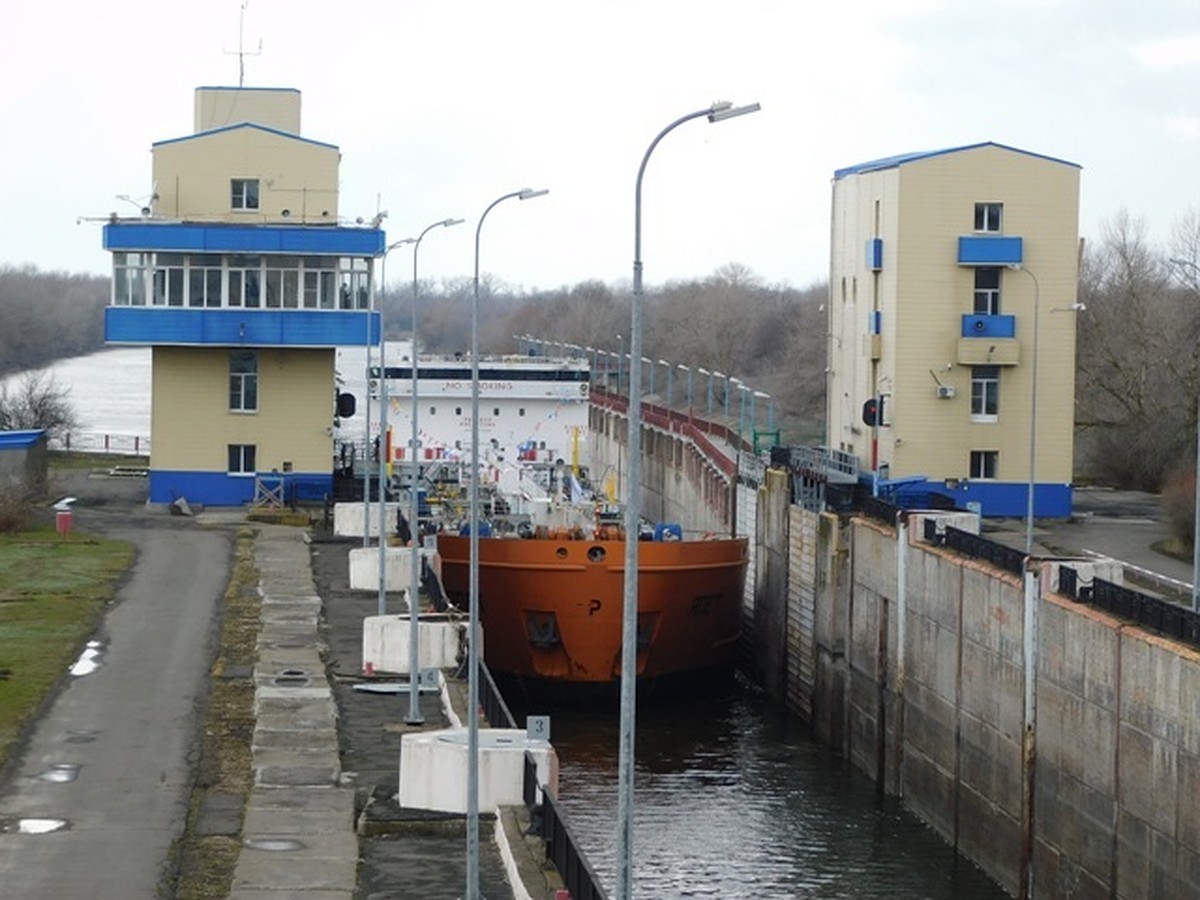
562	849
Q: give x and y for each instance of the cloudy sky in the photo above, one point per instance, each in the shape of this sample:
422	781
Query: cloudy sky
440	106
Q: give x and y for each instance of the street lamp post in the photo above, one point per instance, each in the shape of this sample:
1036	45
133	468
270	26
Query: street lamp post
414	716
670	380
689	384
1033	391
383	441
1189	264
708	374
473	581
716	113
620	361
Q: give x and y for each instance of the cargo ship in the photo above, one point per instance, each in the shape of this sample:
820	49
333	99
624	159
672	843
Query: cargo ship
552	542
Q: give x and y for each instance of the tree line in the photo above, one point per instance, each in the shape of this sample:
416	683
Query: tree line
48	316
1138	350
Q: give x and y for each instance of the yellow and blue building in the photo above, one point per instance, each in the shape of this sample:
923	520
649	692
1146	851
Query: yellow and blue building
948	269
240	278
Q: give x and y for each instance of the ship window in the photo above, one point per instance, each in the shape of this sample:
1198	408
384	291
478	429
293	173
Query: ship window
244	193
458	410
495	410
433	410
521	411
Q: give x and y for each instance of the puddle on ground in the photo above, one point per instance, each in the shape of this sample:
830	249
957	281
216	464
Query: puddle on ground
89	659
274	844
81	736
61	773
31	825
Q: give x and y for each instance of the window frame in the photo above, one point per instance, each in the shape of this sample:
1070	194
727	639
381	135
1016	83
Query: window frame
989	217
985	393
986	297
243	383
245	457
984	465
244	194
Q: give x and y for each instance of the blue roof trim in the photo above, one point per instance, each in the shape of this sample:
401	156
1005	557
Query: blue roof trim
183	237
893	162
203	134
219	87
21	440
198	327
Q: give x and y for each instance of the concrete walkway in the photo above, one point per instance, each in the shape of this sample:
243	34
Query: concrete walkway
298	834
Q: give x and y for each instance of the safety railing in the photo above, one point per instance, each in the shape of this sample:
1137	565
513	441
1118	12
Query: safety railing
561	847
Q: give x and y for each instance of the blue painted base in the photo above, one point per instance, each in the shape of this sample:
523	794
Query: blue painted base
223	489
996	499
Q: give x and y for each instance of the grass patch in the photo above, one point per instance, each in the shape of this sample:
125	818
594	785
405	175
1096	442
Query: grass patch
52	593
206	862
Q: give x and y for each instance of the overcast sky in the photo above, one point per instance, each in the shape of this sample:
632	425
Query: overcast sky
439	107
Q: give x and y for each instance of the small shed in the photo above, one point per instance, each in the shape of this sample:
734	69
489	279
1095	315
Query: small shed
24	457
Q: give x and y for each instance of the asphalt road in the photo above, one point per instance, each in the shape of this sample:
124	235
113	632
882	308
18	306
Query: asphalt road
130	726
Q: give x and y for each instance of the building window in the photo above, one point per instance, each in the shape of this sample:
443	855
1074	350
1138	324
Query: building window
282	281
129	279
985	393
987	291
241	459
988	216
244	193
168	279
245	276
204	280
243	381
984	463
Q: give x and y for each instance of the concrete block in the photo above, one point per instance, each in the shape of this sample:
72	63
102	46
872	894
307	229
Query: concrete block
929	792
1188	826
348	518
989	837
1078	820
930	726
990	765
440	642
433	768
1150	678
1060	876
364	567
1148	779
1189	702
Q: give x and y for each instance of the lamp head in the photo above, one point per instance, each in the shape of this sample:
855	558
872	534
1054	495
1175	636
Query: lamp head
446	223
723	109
530	193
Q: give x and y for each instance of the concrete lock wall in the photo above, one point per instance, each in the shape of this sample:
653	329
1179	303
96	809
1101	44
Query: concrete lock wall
914	668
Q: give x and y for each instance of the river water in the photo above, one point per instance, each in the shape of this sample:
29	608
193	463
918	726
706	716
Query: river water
733	797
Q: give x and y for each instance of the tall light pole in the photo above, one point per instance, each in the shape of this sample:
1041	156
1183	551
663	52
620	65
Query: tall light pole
383	427
473	581
1189	264
1033	391
708	374
716	113
414	716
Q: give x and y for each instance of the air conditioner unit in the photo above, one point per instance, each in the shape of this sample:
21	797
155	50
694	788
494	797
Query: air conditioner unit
945	391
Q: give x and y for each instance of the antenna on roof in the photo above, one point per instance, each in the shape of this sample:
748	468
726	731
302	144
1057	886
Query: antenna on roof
242	53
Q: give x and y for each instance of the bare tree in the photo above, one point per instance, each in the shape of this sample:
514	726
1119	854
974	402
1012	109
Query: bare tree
36	401
1133	359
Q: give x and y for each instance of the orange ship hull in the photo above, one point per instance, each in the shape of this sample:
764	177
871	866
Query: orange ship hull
551	609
